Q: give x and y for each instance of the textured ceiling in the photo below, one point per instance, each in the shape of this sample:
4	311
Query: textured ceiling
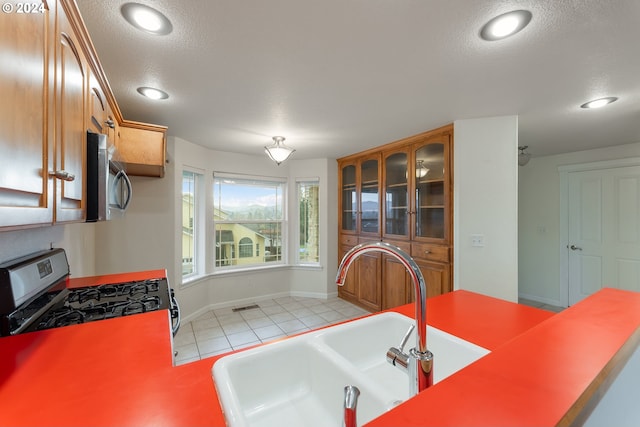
339	76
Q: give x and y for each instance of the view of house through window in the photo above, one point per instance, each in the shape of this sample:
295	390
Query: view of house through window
248	216
189	205
308	211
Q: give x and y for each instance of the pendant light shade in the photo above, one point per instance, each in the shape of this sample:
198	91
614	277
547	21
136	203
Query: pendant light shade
278	152
523	157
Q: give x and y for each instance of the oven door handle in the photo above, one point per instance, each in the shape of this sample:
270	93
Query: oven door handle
121	175
175	314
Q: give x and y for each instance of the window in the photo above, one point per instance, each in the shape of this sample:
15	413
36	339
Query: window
248	211
190	204
308	214
246	247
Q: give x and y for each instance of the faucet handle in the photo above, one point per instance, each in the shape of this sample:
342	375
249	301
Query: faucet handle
396	355
351	394
406	338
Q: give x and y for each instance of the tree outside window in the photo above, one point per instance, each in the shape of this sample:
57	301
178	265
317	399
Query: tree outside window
309	215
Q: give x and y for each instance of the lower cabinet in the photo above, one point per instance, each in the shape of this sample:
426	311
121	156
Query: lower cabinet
379	281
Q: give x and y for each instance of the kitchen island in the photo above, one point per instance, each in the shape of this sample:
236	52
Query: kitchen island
544	369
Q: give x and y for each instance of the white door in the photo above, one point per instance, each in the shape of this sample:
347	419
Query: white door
603	230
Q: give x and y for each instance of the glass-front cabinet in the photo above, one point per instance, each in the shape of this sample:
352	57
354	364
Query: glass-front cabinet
431	190
360	196
396	194
399	193
349	197
417	191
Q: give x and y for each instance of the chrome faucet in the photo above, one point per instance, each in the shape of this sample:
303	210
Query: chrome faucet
419	362
351	394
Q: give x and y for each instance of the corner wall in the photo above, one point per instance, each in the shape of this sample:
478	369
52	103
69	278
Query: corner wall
486	203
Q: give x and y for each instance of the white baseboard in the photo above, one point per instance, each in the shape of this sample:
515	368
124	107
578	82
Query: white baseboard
542	300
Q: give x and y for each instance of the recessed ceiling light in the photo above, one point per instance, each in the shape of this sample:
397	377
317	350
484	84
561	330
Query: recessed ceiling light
146	18
152	93
597	103
505	25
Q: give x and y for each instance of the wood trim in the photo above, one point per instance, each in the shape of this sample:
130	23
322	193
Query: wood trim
579	412
402	142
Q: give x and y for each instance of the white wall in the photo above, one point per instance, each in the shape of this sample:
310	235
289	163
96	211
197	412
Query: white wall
486	203
539	219
240	288
77	240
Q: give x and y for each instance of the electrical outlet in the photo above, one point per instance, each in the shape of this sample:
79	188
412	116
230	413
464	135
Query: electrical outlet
477	240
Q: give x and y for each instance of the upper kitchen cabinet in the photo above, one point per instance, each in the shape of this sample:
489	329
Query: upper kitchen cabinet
54	90
360	196
26	117
72	77
142	148
431	207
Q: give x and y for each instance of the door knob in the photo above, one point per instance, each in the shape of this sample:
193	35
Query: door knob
575	248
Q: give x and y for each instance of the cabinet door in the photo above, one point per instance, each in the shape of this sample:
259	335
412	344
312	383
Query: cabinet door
437	277
396	283
348	289
142	150
368	286
98	106
26	192
71	84
431	196
348	198
369	192
396	194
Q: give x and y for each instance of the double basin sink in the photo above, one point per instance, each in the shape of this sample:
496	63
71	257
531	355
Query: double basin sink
300	380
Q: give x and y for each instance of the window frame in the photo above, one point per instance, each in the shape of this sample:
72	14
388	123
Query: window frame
282	183
199	226
298	248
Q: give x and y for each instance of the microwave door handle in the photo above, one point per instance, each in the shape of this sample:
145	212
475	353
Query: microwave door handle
129	189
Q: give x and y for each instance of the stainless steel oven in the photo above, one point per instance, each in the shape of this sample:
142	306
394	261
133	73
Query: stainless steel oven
34	296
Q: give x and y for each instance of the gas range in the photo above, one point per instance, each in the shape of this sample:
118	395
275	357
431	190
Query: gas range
33	296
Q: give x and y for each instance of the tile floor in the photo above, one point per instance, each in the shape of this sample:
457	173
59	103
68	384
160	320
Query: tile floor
222	330
541	305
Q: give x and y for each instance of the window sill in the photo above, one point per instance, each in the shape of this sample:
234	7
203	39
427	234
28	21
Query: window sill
193	280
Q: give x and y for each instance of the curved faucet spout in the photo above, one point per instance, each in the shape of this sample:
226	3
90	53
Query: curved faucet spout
422	359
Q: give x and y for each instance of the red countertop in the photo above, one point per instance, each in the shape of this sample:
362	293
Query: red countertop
119	371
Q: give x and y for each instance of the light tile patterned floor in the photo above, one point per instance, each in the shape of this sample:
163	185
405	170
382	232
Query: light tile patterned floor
223	330
541	305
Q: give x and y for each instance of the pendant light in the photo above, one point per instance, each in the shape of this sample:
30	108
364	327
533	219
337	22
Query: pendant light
278	152
523	156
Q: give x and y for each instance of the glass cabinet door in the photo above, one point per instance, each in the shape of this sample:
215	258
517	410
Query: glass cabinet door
369	197
349	201
430	191
396	202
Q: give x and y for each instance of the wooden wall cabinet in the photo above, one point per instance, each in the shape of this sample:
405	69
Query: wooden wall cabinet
414	188
26	118
142	148
54	89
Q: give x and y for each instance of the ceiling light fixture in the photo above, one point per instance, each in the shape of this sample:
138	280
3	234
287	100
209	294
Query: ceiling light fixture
421	170
597	103
278	152
152	93
523	156
146	18
505	25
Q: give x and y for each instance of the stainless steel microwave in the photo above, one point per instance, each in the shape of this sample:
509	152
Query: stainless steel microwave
109	189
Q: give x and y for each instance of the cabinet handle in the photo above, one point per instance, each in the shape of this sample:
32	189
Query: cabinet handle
110	123
63	175
427	252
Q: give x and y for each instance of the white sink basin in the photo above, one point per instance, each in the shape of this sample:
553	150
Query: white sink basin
300	381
